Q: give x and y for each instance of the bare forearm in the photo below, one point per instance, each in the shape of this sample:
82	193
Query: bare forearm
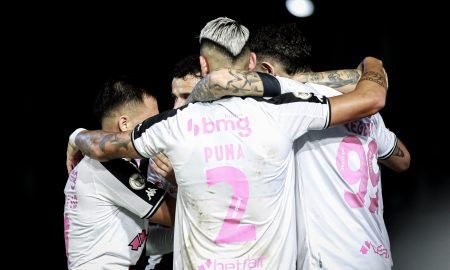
227	82
166	212
104	146
343	80
368	98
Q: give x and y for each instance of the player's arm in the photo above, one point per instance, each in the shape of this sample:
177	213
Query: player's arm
73	157
103	145
229	82
166	212
163	166
399	159
343	80
368	98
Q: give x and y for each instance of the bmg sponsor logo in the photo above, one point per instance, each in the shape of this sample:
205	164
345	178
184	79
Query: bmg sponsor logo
236	264
240	125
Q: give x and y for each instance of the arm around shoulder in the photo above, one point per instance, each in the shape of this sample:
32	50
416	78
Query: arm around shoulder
343	80
368	98
103	145
227	82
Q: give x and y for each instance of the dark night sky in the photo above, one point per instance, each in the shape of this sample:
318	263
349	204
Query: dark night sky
74	48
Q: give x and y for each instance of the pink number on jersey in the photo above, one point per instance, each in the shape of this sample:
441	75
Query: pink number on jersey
353	143
374	177
349	144
231	230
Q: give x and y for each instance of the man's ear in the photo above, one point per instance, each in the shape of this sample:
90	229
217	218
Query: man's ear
204	65
124	123
252	63
268	68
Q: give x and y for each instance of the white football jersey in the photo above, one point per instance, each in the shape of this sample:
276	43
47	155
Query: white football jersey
233	161
105	216
339	202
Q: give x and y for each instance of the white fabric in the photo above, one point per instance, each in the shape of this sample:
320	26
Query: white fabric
160	240
337	230
100	232
233	161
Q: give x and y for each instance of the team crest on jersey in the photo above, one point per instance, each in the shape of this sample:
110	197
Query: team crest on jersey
302	95
136	181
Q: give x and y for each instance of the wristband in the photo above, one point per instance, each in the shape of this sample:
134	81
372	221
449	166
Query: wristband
74	135
271	85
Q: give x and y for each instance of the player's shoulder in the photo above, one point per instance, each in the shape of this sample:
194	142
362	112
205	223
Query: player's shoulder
296	97
88	168
86	164
376	119
322	90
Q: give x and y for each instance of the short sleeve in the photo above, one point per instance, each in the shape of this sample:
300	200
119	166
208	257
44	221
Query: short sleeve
298	112
124	185
386	139
151	136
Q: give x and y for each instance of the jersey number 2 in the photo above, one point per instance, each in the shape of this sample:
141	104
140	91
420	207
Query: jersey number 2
232	231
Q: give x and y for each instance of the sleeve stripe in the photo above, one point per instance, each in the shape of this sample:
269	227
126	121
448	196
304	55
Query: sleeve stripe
389	154
132	143
155	207
328	123
294	97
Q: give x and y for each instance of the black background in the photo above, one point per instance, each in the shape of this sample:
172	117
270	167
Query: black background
66	52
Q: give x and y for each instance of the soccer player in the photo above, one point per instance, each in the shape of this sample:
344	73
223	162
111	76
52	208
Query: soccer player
108	203
340	206
186	74
233	158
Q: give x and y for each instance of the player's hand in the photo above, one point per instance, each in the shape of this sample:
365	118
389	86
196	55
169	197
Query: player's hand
164	167
73	157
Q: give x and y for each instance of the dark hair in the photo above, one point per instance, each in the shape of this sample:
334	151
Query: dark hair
284	43
189	65
117	92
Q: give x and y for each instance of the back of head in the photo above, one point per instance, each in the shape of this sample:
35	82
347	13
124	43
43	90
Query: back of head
225	43
284	43
121	95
